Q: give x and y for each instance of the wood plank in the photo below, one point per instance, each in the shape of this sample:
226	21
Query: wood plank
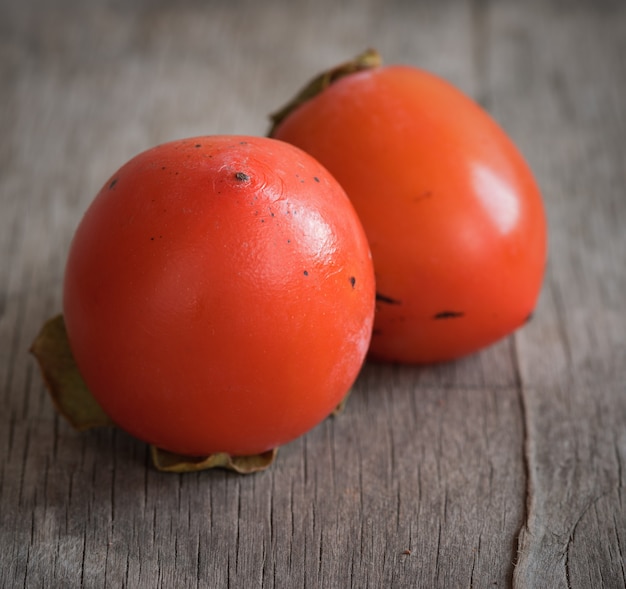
428	477
573	359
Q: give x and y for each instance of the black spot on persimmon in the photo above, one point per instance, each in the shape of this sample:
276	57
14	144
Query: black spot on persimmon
306	273
422	196
381	298
198	145
448	315
242	177
352	281
316	178
113	183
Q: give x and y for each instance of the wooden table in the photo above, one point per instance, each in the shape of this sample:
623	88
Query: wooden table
507	468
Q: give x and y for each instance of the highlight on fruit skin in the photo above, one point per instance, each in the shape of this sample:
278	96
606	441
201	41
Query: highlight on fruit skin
218	302
452	212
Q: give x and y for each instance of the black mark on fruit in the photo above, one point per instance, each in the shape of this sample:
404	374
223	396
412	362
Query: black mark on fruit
242	177
306	273
316	178
448	315
422	196
113	183
352	281
381	298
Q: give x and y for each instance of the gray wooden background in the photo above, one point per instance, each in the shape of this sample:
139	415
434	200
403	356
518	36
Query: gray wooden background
507	468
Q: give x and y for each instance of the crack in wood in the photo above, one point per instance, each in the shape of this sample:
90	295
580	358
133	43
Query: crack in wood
526	453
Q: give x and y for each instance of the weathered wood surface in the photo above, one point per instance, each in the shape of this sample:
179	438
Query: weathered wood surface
507	468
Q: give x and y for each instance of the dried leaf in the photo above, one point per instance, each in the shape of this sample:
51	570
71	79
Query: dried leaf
367	60
342	405
65	385
170	462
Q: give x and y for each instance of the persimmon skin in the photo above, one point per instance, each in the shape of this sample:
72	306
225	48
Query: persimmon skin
219	295
454	217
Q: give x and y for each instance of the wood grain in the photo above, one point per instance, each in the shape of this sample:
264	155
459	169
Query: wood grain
503	469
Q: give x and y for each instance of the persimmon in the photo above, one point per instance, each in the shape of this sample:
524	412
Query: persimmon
219	295
453	214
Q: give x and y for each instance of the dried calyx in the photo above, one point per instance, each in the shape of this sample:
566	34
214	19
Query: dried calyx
367	60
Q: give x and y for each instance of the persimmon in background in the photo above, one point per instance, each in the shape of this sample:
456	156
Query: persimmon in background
453	215
219	295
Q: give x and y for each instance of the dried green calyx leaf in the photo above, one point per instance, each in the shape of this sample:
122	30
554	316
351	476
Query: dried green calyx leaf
170	462
341	406
366	60
66	386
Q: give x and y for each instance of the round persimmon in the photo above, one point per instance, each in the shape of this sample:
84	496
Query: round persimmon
219	295
454	217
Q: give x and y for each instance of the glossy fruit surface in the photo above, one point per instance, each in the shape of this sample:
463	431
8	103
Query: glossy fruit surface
219	295
453	215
